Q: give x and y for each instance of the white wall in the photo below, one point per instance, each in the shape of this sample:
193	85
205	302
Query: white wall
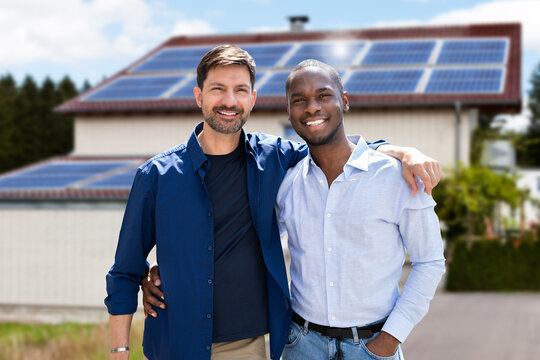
530	179
131	135
431	131
57	254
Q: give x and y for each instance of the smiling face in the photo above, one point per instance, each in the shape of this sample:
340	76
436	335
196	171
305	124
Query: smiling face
226	98
315	106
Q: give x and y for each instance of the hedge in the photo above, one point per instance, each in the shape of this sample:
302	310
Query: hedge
490	265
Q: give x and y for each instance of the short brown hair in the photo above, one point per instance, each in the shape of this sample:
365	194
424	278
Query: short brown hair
225	55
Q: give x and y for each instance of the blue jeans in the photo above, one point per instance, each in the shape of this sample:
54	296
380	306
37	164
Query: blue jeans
308	344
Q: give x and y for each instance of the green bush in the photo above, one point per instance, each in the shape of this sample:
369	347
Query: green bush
490	265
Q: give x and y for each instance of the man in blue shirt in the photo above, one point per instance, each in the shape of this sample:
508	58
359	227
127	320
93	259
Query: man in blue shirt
208	207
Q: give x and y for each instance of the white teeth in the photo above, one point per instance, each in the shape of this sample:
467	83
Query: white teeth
227	113
313	123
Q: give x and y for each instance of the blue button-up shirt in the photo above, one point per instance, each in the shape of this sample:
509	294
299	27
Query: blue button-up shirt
169	207
348	242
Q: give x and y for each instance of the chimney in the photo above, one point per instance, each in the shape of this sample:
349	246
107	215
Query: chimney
298	22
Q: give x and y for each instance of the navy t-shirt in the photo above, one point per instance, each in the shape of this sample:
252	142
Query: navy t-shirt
240	298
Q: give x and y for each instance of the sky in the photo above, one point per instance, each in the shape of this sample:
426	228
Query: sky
93	39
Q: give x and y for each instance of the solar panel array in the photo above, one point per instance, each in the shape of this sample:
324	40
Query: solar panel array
383	81
451	66
399	52
64	174
136	88
449	81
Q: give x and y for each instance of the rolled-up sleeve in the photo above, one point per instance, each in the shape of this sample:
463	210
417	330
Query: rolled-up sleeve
135	242
420	231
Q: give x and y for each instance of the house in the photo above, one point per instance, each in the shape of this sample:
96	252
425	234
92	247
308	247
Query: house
417	86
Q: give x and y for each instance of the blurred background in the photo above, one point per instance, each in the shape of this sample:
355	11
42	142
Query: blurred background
90	89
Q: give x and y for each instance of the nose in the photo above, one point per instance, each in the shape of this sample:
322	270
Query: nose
229	99
312	106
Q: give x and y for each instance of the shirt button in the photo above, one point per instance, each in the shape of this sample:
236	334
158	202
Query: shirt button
209	213
328	215
208	316
331	283
329	249
207	347
209	281
333	317
209	248
321	181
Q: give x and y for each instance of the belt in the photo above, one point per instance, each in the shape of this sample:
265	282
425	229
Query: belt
364	332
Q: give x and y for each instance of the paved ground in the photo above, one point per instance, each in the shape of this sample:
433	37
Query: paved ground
459	326
478	326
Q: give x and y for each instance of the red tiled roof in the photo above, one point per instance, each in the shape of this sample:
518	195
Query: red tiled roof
509	100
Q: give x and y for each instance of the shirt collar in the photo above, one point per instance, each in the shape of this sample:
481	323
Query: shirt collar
359	159
198	157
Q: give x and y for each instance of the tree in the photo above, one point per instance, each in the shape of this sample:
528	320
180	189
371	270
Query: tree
29	129
8	94
468	199
528	145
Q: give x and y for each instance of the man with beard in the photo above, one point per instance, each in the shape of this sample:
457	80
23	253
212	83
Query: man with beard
208	207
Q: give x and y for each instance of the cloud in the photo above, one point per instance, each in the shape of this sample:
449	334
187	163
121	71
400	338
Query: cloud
74	31
523	11
193	27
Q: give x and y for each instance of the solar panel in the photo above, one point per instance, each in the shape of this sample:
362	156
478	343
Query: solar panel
400	52
186	91
171	59
267	55
123	180
333	53
465	81
472	52
383	81
57	174
275	85
135	88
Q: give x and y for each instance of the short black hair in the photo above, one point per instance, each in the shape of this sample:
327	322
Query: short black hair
317	64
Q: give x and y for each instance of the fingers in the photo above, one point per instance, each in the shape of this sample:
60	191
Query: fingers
409	178
434	172
151	293
149	300
154	275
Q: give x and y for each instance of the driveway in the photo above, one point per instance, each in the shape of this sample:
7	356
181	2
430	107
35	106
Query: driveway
467	326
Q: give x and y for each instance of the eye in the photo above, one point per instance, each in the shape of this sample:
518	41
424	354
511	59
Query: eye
297	100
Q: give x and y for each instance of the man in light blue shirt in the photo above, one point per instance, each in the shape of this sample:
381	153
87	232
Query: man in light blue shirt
350	216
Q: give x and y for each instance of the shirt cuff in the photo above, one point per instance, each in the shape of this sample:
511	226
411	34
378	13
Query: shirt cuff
122	303
398	326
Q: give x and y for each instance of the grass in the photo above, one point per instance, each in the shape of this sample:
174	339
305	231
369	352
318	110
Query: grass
67	341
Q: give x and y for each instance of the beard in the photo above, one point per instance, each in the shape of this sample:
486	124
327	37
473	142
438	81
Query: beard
222	126
320	140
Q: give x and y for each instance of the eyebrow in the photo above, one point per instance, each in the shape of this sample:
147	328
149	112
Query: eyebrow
216	83
323	89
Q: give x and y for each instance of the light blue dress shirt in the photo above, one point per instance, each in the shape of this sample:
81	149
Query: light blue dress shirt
348	243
